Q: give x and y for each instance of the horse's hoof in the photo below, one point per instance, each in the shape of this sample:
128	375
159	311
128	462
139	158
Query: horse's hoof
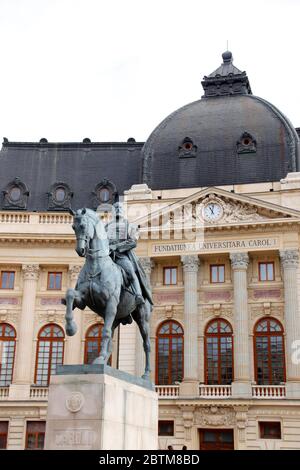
146	376
99	360
71	329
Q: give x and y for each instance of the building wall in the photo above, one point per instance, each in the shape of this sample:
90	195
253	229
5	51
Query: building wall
47	240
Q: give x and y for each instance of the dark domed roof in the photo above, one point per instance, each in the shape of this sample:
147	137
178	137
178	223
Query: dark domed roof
227	137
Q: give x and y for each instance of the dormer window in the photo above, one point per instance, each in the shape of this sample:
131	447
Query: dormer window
187	148
246	143
15	195
59	196
105	193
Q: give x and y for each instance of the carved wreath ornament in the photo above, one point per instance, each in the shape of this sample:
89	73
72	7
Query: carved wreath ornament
75	402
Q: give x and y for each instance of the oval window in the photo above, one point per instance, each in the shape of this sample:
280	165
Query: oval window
60	194
15	193
104	195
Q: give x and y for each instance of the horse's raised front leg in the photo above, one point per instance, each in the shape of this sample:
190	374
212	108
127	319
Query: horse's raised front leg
73	299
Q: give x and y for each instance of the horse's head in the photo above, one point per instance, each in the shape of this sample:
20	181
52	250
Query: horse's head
87	226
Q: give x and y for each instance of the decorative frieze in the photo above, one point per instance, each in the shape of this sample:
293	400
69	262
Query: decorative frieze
168	297
212	311
51	301
217	295
266	309
51	316
258	294
9	301
215	416
10	317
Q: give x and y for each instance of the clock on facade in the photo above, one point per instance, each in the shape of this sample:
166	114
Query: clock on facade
212	211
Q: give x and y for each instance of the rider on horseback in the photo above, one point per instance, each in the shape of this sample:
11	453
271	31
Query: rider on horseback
122	240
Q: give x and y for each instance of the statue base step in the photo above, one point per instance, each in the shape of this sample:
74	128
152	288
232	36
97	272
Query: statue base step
100	408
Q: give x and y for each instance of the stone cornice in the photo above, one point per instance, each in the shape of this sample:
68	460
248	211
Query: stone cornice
43	239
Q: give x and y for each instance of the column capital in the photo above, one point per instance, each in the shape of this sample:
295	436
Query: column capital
190	263
239	261
289	258
30	271
147	264
74	270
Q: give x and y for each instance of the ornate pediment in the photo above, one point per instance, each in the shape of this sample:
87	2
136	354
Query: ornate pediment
230	211
216	207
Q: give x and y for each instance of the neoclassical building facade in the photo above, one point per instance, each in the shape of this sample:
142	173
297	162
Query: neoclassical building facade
215	191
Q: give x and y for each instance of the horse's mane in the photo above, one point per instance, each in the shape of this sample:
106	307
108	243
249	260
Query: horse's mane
93	216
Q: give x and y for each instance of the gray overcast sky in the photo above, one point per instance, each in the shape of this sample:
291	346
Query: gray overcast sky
113	69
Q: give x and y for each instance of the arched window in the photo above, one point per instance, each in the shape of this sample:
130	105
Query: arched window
7	353
169	353
218	353
269	352
50	353
92	343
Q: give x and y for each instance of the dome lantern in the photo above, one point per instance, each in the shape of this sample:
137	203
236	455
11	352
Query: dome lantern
226	80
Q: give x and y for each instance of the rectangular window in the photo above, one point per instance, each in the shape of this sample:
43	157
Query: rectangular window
166	428
170	276
217	273
7	280
266	271
35	435
270	429
3	434
54	281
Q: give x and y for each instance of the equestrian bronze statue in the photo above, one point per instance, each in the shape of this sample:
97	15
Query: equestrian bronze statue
112	282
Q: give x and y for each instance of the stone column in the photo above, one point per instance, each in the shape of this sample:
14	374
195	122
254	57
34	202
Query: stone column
290	262
241	386
24	352
148	265
190	384
73	344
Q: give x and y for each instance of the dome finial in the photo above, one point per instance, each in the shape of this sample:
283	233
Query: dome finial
227	57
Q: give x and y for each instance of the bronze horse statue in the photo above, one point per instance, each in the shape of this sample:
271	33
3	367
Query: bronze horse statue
102	287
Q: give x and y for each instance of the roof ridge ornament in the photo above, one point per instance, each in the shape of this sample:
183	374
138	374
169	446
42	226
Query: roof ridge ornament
226	80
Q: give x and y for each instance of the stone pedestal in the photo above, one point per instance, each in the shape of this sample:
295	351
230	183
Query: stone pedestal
100	408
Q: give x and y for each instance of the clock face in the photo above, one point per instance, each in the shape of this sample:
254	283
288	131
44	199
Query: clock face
212	211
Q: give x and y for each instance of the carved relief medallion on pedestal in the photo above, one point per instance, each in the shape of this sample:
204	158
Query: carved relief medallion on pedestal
75	402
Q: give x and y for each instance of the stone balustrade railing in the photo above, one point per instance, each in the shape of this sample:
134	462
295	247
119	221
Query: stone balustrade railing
215	391
39	393
14	218
167	391
33	218
172	391
4	391
268	391
55	219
